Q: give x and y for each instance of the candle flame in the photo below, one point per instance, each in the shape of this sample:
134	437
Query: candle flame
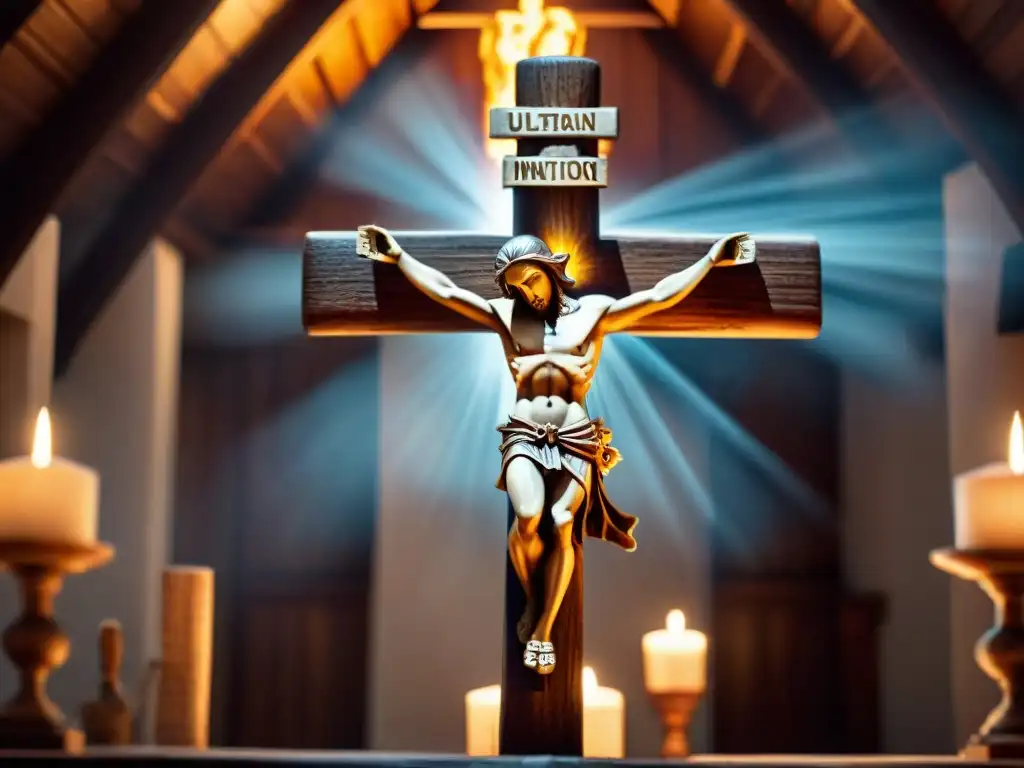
1016	445
533	29
675	622
589	681
42	450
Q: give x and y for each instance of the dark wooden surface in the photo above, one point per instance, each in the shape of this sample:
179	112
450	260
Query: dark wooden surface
142	756
778	297
545	716
813	638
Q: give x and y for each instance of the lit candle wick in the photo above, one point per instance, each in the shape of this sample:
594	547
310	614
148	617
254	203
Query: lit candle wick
1016	445
675	622
42	450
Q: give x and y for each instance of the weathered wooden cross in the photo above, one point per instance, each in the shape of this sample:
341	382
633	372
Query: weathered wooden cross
556	198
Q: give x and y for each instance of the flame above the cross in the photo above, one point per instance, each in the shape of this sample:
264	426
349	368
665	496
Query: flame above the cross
532	30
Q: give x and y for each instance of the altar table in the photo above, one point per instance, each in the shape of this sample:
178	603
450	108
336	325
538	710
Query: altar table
252	758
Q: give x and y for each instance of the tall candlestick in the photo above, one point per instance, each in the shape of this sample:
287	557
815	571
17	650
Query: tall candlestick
47	499
675	675
988	502
604	720
675	658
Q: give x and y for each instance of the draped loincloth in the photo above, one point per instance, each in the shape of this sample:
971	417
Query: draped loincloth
572	448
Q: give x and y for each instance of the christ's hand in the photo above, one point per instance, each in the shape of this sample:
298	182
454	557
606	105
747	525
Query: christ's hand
373	242
733	251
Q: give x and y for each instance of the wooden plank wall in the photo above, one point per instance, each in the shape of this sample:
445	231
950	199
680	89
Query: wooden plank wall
796	665
258	499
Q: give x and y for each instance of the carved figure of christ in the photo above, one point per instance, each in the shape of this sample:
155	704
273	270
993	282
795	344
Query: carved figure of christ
553	455
552	338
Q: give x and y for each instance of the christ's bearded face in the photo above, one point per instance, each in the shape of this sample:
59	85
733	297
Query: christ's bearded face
533	284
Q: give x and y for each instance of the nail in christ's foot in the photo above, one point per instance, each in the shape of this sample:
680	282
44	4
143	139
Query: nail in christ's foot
540	657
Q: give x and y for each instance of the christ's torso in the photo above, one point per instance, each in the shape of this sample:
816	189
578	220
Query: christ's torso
550	394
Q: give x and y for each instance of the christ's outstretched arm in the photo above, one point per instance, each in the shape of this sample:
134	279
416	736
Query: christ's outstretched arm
430	281
623	313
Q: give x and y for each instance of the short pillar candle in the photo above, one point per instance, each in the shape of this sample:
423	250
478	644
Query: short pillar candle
48	499
988	502
675	658
604	720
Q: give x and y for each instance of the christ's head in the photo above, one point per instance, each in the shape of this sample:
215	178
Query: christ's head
527	271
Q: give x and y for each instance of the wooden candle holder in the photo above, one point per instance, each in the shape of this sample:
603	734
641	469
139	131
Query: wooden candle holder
108	720
35	644
1000	651
676	710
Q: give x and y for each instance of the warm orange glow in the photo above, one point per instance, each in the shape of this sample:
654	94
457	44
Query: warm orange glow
589	682
559	242
533	30
42	445
1016	445
675	622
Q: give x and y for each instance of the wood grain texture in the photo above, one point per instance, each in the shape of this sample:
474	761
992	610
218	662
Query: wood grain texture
566	218
544	716
778	297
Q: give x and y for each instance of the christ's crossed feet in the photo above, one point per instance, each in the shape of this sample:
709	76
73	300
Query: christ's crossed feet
540	657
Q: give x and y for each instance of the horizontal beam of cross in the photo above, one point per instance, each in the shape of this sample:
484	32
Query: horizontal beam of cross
778	297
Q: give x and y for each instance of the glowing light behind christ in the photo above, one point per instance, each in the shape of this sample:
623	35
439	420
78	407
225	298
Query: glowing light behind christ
533	29
882	277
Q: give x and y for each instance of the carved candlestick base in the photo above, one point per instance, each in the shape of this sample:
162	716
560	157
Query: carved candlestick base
35	644
1000	651
676	710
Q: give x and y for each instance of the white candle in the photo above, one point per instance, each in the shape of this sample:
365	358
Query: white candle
604	719
482	708
675	658
988	502
49	499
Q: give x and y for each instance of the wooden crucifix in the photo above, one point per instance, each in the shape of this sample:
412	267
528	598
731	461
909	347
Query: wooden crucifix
553	454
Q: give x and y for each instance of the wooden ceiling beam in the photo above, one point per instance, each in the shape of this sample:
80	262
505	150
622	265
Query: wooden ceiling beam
668	46
176	166
33	177
945	70
281	200
13	14
797	49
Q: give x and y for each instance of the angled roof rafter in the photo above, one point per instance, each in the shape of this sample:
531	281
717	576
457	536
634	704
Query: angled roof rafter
800	52
191	146
946	71
36	173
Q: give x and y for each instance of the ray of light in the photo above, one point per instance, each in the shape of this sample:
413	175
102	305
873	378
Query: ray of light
882	275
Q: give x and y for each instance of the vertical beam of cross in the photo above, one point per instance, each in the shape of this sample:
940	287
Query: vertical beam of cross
544	715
